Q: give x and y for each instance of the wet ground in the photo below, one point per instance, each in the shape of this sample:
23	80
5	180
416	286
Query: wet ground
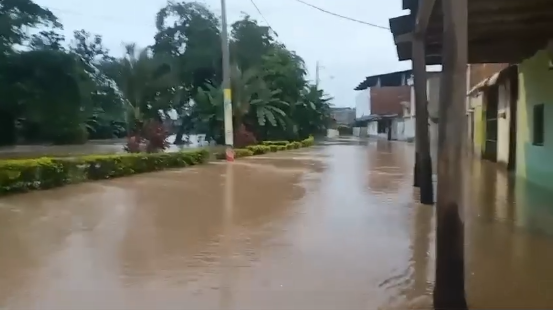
330	227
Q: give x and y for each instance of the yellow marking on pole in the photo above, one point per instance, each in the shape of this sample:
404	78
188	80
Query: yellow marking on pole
227	95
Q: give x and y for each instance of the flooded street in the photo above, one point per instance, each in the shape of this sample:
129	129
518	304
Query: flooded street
329	227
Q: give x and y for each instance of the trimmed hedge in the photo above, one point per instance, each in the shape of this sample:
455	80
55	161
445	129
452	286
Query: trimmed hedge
283	142
43	173
308	142
22	175
268	147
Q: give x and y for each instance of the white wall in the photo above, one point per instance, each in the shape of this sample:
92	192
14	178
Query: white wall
332	133
360	131
372	129
433	93
397	123
363	103
503	123
406	129
433	135
413	110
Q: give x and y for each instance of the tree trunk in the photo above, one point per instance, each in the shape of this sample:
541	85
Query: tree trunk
424	162
449	289
8	134
179	135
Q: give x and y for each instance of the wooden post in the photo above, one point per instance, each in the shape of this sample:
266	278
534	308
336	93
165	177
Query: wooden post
424	165
449	289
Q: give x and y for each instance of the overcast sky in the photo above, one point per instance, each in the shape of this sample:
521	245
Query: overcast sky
347	51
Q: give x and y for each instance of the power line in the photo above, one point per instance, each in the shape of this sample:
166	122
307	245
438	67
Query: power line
262	16
342	16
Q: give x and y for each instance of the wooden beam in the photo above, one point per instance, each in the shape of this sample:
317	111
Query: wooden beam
449	288
402	24
505	4
403	38
423	15
549	49
423	160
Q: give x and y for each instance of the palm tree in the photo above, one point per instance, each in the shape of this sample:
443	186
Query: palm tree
253	97
245	85
312	112
206	112
148	83
268	107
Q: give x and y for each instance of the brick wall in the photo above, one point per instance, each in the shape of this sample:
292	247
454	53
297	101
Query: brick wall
387	100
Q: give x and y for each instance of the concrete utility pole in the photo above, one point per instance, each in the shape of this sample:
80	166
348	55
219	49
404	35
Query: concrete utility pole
449	289
227	93
226	293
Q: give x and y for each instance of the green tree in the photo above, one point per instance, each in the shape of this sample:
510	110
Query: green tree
148	83
107	106
16	16
250	43
47	39
312	114
206	114
45	89
189	33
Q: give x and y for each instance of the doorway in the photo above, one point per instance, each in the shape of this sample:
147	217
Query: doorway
492	100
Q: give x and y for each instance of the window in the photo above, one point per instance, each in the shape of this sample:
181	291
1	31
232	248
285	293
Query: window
539	128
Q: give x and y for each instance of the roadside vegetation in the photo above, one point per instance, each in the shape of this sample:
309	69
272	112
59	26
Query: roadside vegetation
68	90
23	175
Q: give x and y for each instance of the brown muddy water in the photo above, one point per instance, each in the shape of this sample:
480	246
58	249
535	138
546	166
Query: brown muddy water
332	227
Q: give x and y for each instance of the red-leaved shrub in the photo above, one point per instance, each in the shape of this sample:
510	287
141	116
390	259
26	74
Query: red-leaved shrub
156	137
243	137
152	134
133	144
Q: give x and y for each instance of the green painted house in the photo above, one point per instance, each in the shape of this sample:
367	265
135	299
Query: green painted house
535	120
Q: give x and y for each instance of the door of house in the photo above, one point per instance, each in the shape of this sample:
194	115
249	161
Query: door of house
513	92
491	106
471	130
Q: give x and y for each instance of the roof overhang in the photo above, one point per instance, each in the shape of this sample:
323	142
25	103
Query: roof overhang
391	79
493	80
375	117
499	31
398	78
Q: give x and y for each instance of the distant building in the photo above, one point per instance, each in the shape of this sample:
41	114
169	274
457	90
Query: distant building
390	103
343	116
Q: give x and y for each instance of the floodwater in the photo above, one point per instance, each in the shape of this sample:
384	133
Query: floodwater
330	227
97	147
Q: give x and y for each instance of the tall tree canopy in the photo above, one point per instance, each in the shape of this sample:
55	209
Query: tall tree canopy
65	91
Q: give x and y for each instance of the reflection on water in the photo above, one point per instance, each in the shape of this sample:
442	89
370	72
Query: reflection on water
331	227
509	241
